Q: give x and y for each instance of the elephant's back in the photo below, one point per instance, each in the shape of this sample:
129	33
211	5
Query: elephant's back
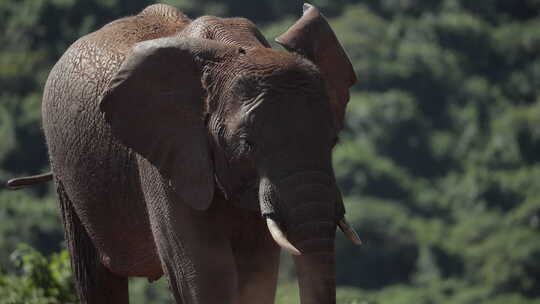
90	62
99	174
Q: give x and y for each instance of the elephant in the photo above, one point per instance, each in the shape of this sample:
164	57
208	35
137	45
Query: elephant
193	149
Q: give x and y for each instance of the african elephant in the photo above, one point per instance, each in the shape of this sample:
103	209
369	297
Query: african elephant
193	149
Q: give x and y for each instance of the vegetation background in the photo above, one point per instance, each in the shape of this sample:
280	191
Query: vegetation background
439	162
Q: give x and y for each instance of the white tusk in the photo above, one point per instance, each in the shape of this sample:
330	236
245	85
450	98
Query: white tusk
349	232
280	237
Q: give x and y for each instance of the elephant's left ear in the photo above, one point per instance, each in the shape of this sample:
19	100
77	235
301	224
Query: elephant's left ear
154	106
312	36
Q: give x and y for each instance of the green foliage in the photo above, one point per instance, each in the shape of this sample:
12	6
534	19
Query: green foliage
141	292
38	279
437	163
440	153
7	133
30	219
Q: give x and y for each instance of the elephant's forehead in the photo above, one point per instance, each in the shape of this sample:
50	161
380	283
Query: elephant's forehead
267	56
271	62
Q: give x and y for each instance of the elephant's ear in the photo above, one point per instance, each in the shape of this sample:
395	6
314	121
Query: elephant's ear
154	105
311	36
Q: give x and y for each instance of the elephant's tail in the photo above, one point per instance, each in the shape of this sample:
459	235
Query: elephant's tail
21	182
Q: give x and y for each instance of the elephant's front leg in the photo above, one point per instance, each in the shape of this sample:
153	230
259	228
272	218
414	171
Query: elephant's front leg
195	252
257	259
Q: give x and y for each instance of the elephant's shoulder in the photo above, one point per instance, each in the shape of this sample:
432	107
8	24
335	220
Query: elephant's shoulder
155	21
89	63
106	47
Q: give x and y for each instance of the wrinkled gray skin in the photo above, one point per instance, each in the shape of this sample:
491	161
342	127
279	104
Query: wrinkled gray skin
165	154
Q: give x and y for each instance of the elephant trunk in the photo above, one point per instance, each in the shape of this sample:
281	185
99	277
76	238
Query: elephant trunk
312	229
307	207
316	274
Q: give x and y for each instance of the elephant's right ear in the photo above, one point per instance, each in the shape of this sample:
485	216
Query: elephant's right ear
312	37
154	105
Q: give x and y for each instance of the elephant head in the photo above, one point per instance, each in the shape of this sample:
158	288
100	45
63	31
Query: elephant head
258	124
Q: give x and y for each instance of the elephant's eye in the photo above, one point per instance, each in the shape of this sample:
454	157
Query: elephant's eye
247	145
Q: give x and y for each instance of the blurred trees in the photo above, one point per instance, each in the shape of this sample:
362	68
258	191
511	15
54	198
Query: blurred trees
438	162
441	152
37	279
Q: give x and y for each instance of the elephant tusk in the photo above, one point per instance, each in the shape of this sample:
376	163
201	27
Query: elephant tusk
280	237
349	232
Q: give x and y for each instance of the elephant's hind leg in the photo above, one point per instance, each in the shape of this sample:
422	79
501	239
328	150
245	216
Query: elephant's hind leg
94	283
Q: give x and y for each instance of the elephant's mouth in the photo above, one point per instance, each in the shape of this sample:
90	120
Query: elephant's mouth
281	239
313	191
248	197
